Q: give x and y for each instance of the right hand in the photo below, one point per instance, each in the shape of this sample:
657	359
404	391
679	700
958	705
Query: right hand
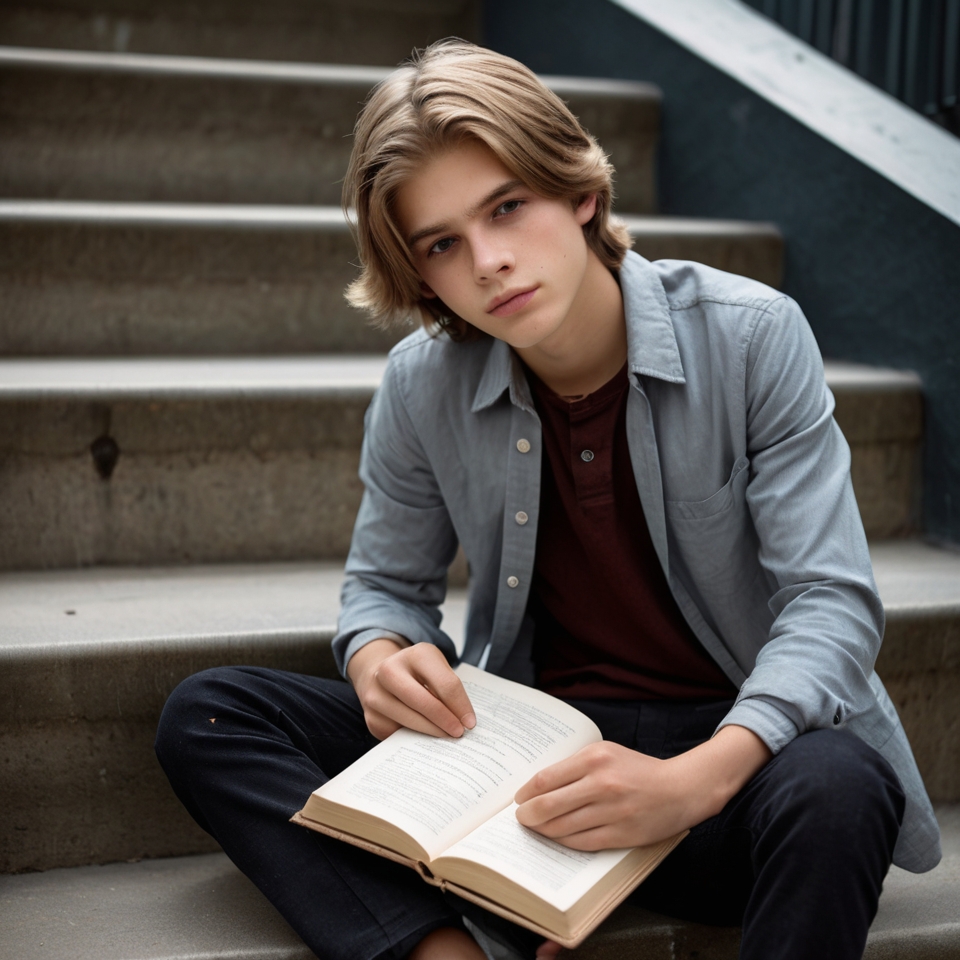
411	687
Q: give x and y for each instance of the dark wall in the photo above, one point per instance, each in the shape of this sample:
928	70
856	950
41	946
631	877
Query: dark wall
877	272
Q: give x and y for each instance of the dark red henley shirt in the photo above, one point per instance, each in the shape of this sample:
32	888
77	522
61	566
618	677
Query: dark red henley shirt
607	626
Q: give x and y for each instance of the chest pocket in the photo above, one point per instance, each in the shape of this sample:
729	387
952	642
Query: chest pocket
717	504
715	538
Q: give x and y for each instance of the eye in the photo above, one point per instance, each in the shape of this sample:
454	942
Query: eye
508	207
441	246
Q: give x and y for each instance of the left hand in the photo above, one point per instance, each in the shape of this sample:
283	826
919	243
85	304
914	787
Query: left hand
604	796
607	795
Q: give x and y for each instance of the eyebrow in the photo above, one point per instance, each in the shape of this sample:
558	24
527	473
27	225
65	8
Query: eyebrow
508	187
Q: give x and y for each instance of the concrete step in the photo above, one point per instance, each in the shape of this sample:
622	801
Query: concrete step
920	657
881	415
140	461
88	658
337	31
172	461
202	906
127	279
101	126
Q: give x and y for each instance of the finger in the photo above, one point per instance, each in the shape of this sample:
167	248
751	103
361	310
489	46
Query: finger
384	719
408	685
379	725
407	692
569	807
597	838
552	778
548	950
437	676
573	821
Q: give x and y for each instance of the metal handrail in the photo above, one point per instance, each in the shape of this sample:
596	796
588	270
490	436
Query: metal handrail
910	48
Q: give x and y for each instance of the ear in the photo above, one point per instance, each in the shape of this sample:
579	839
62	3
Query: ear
586	209
427	292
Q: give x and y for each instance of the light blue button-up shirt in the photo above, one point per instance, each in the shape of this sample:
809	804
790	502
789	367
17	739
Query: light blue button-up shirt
744	478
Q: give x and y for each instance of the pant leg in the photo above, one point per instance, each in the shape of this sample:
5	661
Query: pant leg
243	748
798	856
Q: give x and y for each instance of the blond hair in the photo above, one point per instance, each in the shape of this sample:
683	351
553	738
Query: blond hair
449	92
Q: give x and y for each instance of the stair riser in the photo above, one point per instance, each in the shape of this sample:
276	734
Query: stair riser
243	480
335	31
887	480
74	289
80	780
81	792
885	431
193	483
129	136
920	665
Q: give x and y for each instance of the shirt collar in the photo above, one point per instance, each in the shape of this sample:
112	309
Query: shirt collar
652	349
651	343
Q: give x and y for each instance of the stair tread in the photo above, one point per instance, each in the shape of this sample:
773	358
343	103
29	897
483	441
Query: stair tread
169	377
45	58
33	377
311	216
916	576
118	605
199	907
200	604
202	907
167	213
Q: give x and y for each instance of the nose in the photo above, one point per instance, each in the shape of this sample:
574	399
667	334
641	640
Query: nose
490	257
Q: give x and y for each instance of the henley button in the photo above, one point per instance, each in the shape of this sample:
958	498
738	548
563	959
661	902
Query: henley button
521	518
586	456
523	445
513	582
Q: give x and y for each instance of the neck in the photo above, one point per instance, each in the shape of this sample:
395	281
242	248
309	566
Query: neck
592	345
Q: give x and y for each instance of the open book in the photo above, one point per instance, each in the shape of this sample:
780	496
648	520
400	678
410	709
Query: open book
445	807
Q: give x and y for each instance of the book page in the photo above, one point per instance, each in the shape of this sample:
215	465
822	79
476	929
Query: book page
551	871
439	789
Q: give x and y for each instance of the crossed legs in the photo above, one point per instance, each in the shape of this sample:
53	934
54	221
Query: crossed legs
798	857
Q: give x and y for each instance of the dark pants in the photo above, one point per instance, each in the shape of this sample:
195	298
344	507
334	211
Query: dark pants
798	856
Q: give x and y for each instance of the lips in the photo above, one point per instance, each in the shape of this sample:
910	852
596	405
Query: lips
511	302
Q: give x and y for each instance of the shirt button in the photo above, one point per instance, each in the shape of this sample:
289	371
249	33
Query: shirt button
521	518
523	445
586	456
512	582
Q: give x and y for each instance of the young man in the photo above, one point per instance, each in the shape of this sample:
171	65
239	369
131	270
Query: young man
641	465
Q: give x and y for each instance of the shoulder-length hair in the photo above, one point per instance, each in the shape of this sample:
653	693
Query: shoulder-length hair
449	92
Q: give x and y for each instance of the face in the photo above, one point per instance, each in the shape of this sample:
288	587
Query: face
500	256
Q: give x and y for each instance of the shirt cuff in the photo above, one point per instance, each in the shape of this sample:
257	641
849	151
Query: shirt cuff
764	719
367	636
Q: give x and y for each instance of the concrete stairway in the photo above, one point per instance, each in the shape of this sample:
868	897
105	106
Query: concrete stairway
88	657
181	400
